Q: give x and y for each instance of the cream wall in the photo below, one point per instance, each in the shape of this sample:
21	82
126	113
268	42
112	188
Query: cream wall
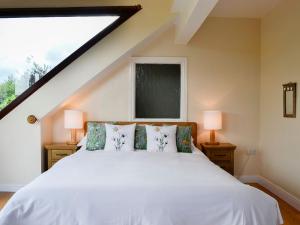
280	53
21	143
223	73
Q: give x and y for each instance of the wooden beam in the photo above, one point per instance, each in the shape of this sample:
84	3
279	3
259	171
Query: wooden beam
192	14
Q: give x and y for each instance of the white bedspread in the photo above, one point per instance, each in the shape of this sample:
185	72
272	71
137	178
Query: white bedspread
138	188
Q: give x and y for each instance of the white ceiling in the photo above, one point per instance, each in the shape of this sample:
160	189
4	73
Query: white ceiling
243	8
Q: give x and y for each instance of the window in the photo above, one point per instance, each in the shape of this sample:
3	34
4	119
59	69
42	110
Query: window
36	44
159	88
30	47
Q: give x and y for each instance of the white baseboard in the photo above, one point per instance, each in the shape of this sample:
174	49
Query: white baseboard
10	187
274	188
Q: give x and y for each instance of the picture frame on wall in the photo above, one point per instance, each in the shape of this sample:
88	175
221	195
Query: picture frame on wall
159	89
290	100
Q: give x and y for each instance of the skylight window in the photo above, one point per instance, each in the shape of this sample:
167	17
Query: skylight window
37	43
31	47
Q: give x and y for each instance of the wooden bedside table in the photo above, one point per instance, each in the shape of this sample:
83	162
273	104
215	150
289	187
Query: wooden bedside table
222	155
58	151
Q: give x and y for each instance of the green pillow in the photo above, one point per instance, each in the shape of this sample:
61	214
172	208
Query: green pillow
140	139
96	136
183	139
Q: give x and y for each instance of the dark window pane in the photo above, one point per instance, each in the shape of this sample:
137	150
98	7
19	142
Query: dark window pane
157	91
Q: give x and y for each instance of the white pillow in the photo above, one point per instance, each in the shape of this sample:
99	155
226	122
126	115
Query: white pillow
119	137
161	138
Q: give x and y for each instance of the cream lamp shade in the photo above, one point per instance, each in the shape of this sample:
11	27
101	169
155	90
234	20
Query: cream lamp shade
212	120
73	121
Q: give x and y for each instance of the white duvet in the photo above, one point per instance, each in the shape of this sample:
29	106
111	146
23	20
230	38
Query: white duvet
138	188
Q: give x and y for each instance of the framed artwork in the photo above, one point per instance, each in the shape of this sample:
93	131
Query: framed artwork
289	100
159	89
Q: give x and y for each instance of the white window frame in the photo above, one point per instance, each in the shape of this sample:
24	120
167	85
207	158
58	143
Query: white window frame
183	85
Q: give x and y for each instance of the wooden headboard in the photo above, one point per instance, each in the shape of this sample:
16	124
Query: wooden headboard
191	124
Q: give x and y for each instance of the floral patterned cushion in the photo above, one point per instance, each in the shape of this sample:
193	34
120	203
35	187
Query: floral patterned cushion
96	136
140	140
161	138
119	137
183	139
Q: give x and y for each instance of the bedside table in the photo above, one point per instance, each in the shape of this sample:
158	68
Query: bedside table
58	151
222	155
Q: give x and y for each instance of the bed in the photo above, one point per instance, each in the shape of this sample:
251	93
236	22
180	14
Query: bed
139	188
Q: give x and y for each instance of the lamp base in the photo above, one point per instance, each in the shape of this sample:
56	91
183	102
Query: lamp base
212	140
73	138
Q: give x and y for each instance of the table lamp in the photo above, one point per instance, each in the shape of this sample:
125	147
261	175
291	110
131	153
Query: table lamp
212	122
73	121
